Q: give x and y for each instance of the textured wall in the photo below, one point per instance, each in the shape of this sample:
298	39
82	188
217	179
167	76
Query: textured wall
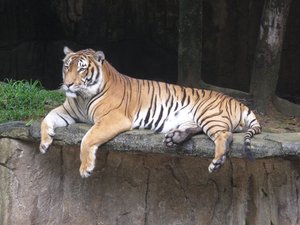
143	189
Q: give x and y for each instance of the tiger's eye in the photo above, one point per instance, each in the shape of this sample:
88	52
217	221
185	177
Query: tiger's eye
81	69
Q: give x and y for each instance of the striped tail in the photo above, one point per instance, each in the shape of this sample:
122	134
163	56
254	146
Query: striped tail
254	128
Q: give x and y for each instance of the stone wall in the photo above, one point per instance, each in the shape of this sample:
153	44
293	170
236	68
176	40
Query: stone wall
139	181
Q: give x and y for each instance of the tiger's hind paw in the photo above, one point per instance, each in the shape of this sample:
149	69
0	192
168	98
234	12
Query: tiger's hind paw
173	138
216	164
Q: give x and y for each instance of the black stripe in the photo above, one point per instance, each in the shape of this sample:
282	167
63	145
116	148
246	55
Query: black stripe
72	108
159	90
168	98
176	106
147	116
184	96
203	93
160	128
160	116
250	124
63	119
94	98
226	108
203	102
257	129
174	90
149	110
207	108
231	125
121	102
168	92
138	115
76	120
210	121
188	102
139	90
97	76
251	132
198	96
239	120
78	108
140	124
155	103
230	106
150	125
212	135
249	111
210	116
170	107
128	81
199	105
148	85
195	103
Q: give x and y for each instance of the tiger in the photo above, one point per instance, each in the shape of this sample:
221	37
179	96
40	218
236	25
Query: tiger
96	93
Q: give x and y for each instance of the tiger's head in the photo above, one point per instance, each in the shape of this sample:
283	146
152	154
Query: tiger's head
82	72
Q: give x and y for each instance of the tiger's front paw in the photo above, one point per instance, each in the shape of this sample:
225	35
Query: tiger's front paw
43	148
46	141
47	134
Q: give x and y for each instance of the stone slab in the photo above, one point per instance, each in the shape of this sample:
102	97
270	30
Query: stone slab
263	145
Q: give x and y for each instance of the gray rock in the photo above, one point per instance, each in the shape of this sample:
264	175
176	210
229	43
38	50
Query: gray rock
138	181
263	146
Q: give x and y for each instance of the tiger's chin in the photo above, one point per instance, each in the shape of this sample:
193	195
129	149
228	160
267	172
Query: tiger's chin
71	94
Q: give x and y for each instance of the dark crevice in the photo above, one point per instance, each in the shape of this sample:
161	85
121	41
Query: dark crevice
146	193
7	167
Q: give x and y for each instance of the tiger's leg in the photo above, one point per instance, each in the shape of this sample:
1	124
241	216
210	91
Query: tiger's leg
58	117
183	133
100	132
222	142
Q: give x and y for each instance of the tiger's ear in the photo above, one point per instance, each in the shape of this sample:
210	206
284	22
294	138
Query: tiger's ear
67	50
100	56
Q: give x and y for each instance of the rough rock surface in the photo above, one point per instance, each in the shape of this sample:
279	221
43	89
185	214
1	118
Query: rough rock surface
139	181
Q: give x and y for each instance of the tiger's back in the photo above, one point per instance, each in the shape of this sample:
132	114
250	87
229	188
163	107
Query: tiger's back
114	103
162	107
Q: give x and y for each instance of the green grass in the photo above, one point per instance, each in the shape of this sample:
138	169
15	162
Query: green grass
26	100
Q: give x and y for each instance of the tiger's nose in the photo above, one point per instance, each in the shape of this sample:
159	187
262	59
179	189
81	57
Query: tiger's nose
69	84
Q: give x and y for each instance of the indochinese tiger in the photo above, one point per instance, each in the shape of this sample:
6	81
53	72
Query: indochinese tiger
97	93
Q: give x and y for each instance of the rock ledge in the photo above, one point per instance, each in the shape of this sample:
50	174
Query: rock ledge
263	145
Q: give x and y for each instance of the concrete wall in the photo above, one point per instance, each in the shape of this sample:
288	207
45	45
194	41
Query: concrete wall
142	187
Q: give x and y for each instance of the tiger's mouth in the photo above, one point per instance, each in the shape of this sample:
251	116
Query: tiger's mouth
70	94
69	91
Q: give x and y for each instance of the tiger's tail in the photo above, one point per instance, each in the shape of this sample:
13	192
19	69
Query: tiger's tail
254	128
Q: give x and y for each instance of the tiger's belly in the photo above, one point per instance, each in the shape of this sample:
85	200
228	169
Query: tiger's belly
164	123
